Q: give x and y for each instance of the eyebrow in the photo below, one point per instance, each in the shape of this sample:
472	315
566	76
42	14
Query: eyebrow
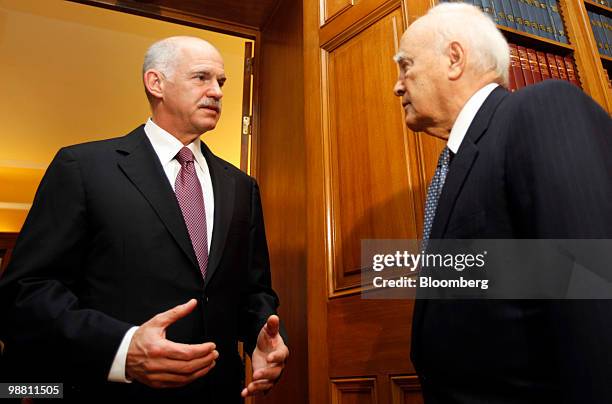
208	73
400	57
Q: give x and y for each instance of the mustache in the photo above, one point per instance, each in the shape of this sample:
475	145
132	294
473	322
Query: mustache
210	102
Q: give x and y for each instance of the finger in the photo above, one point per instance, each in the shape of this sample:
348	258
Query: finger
279	355
270	374
170	380
181	367
257	388
186	352
170	316
272	325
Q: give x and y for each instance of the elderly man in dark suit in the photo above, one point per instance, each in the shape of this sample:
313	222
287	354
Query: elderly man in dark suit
534	164
143	260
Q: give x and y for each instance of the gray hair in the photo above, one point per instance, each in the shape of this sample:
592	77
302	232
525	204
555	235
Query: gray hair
461	21
162	56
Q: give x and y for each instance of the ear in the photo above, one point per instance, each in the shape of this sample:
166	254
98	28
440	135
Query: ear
457	60
153	83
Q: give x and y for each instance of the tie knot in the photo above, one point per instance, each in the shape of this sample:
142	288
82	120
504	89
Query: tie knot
184	156
444	158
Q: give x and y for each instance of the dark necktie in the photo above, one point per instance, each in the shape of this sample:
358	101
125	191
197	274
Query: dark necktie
191	200
433	194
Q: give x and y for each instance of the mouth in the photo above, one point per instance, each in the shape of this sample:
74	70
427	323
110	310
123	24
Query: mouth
211	107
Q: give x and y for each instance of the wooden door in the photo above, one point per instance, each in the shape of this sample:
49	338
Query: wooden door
366	178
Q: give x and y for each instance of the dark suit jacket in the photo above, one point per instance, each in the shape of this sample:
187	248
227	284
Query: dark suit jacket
535	164
105	247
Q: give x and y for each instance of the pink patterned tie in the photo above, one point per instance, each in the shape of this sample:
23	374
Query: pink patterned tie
189	195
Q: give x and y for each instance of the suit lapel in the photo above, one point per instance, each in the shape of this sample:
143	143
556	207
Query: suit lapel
463	161
141	165
460	168
224	191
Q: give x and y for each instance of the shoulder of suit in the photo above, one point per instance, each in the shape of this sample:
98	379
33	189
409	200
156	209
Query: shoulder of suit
103	145
230	169
543	92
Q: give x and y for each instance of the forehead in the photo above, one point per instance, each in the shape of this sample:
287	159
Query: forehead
416	38
201	56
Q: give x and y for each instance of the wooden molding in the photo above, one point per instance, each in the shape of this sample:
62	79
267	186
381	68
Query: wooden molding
347	390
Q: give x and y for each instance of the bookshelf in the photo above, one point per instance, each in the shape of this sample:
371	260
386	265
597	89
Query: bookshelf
534	32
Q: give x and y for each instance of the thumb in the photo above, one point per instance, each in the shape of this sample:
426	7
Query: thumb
170	316
272	326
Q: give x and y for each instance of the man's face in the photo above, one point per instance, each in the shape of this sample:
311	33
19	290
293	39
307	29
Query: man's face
420	81
192	94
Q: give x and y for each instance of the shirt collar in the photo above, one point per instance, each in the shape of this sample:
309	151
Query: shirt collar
466	116
166	146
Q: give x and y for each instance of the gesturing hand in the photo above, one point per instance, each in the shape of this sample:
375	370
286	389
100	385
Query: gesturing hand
157	362
268	358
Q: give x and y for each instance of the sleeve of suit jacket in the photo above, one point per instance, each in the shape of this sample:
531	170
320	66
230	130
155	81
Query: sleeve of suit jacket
47	328
260	300
560	167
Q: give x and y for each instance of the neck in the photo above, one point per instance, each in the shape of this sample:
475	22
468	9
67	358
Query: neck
169	124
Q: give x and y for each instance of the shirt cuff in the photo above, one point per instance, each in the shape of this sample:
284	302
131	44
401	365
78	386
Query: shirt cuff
117	370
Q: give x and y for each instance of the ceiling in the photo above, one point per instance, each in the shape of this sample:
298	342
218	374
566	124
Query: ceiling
250	13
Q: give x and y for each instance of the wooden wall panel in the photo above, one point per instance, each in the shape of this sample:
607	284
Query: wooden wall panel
405	390
366	178
369	336
371	196
281	176
334	7
354	391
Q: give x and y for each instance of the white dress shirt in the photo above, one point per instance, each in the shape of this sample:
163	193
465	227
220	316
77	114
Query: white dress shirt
466	116
167	147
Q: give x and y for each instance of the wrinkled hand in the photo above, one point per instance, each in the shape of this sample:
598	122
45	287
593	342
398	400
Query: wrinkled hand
268	358
158	362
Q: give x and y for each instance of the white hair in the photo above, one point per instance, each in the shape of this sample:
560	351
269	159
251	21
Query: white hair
464	22
162	56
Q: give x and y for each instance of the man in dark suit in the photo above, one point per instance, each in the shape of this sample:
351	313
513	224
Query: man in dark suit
534	164
143	260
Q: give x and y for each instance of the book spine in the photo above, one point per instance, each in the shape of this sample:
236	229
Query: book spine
596	31
525	65
518	17
500	16
540	27
571	70
551	22
543	65
510	22
487	6
558	21
601	21
515	66
561	67
533	16
544	21
552	66
524	9
533	65
608	31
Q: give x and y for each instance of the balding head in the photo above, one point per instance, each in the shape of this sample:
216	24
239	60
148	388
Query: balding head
487	48
163	55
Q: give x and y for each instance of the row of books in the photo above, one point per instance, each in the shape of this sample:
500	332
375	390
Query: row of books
528	66
537	17
602	30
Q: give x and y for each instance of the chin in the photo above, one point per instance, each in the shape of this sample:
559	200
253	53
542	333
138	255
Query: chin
206	126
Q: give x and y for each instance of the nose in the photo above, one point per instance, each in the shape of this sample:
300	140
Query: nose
399	88
214	91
